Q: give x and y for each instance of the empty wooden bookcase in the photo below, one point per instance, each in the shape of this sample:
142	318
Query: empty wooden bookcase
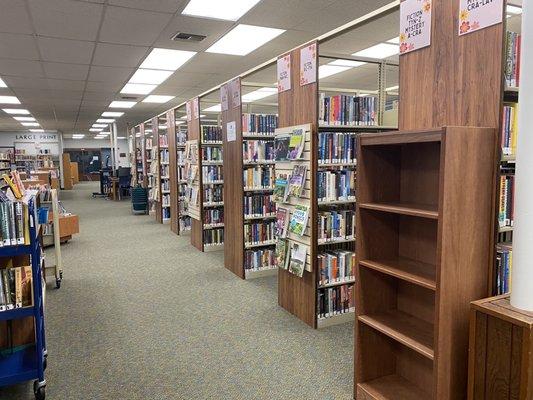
424	216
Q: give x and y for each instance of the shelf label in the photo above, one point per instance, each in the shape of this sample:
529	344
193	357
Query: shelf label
231	131
415	25
235	92
189	111
308	64
196	108
224	97
479	14
284	73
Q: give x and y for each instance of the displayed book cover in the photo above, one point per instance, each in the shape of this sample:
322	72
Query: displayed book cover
298	254
280	188
281	146
26	289
298	221
296	144
281	259
297	180
282	222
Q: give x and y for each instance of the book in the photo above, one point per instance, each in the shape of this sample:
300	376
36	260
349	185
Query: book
26	287
258	177
296	144
3	301
282	222
259	205
336	300
259	124
259	232
281	188
297	180
335	225
281	147
282	247
258	259
347	110
298	220
14	188
297	259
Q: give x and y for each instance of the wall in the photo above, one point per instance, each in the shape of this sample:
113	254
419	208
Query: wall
28	141
100	143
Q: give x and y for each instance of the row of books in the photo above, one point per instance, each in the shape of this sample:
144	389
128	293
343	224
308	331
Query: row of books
165	200
259	232
213	237
336	266
15	288
335	226
165	171
336	301
257	150
214	216
213	193
347	110
185	223
148	143
506	212
166	213
14	221
259	205
164	156
258	259
337	147
211	173
509	128
259	177
295	222
512	61
165	185
336	185
181	136
211	134
180	156
212	153
192	197
5	165
163	141
291	256
504	266
259	124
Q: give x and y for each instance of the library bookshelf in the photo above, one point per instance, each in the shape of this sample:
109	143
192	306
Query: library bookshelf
416	275
164	203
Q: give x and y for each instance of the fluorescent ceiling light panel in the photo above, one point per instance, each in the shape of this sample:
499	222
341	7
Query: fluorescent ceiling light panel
347	63
156	98
395	40
259	94
36	130
105	121
99	126
78	136
137	88
217	9
99	137
162	127
30	123
2	83
379	51
9	100
166	59
327	70
112	114
104	133
514	10
390	89
25	119
122	104
244	39
16	111
150	76
215	108
121	137
95	130
180	122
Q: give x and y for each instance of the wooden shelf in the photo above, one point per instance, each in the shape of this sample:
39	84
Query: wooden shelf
336	319
335	202
409	270
415	210
391	387
355	128
404	328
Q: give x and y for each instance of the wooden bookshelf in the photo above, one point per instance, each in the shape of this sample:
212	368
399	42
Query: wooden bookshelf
156	171
164	169
416	275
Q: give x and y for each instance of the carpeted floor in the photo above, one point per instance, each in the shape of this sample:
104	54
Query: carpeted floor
143	315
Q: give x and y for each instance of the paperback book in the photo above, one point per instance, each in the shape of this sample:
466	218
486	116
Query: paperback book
296	144
282	222
281	259
298	221
297	259
281	188
297	181
281	146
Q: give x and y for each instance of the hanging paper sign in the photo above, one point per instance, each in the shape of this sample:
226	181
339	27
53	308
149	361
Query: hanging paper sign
224	97
308	64
235	93
189	111
196	108
479	14
231	131
284	73
415	25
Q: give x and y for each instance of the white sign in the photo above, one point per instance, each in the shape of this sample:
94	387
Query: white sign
284	73
479	14
308	64
36	138
224	97
196	108
231	131
189	111
415	25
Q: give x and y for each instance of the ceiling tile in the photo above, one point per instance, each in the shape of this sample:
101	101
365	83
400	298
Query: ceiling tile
104	87
119	55
168	6
129	26
66	84
17	82
66	18
99	96
66	71
21	68
68	51
110	74
18	46
14	17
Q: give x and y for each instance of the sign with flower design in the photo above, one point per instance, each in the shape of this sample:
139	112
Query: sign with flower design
479	14
415	25
224	100
188	106
308	64
284	73
196	108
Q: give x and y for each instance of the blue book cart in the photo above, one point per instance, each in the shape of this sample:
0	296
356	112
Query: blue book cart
29	363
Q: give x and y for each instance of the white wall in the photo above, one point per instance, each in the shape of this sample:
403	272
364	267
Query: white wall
98	144
32	143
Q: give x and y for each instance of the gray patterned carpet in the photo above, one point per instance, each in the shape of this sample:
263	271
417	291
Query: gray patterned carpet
143	315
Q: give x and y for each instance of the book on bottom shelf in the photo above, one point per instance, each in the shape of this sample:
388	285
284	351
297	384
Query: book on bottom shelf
336	301
15	288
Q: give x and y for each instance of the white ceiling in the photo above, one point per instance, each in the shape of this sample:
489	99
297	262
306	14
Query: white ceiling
66	60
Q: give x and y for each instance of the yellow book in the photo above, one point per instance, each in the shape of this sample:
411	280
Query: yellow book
14	188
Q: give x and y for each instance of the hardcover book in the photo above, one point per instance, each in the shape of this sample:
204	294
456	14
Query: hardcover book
297	180
280	188
296	144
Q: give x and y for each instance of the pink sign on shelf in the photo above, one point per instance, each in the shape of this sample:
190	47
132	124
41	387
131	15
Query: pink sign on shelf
479	14
308	64
235	92
224	101
189	111
196	108
415	25
284	73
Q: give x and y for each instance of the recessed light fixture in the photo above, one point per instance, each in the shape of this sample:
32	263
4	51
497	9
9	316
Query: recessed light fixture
215	108
95	130
99	126
2	83
514	10
122	104
150	76
259	94
156	98
105	133
347	63
379	51
37	130
392	88
78	136
244	39
166	59
29	123
216	9
121	137
104	121
26	119
137	88
112	114
185	117
9	100
16	111
99	137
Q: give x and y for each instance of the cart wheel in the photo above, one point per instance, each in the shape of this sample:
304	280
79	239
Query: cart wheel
39	391
45	363
58	283
61	275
